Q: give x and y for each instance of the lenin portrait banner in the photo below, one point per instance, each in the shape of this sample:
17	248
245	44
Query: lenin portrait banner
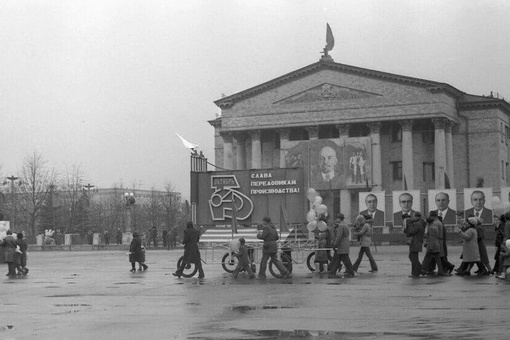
333	164
255	193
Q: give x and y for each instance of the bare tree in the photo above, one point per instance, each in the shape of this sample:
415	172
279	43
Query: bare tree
171	202
36	179
107	211
74	200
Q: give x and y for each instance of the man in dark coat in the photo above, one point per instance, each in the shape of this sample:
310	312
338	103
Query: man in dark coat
270	249
135	252
154	235
191	252
415	230
118	236
9	248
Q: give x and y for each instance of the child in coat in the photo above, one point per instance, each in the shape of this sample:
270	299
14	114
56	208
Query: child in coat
244	261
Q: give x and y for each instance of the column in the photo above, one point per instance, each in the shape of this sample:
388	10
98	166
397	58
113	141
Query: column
449	152
375	134
284	139
345	195
241	151
256	150
407	153
313	132
343	130
439	151
228	151
345	204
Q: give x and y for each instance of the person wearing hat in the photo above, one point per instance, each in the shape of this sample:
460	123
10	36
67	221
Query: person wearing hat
270	249
415	230
135	253
433	248
341	245
470	252
244	261
190	240
363	231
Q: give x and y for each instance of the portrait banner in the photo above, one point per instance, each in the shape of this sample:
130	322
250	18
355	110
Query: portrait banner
478	203
330	164
444	202
405	204
358	167
373	203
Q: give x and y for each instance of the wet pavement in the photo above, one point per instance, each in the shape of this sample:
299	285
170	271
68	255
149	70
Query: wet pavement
92	295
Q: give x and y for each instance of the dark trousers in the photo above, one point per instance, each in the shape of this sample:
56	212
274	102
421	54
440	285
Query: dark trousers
427	260
12	268
365	250
241	268
336	264
415	263
276	262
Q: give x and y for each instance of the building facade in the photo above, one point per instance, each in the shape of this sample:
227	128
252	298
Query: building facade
407	133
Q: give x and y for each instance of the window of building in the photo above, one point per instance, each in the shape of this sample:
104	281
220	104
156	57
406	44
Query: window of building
276	141
359	130
396	133
427	137
507	134
298	134
328	132
503	169
429	171
502	133
396	170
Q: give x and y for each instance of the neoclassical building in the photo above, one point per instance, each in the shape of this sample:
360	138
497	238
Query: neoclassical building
410	133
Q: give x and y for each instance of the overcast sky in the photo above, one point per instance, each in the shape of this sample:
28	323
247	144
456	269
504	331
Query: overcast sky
105	84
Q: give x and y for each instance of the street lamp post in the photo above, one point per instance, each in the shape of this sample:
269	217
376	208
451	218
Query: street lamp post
129	199
12	179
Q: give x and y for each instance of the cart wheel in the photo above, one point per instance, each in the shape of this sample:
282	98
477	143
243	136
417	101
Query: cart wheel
310	261
229	264
287	263
189	269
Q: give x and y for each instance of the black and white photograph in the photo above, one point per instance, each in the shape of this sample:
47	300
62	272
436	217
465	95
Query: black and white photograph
219	169
444	203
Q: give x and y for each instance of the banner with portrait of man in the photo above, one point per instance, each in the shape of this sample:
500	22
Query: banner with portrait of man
444	202
373	204
330	164
478	203
405	204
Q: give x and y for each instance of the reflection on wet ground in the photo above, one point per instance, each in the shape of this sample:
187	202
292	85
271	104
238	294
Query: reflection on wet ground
95	302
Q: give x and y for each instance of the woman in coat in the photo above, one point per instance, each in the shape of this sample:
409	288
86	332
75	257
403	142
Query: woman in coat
135	252
191	252
363	231
9	249
470	253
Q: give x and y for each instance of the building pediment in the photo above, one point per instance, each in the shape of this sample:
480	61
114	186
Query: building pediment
326	92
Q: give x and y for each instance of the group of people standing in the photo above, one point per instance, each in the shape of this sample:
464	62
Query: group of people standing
14	253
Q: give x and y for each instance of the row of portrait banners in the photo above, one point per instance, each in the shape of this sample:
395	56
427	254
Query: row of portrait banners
478	202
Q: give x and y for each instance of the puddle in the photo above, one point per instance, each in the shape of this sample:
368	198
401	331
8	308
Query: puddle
125	283
66	295
308	334
244	309
71	305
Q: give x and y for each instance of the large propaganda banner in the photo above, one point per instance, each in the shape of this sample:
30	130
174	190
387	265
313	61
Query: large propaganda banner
331	164
249	194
